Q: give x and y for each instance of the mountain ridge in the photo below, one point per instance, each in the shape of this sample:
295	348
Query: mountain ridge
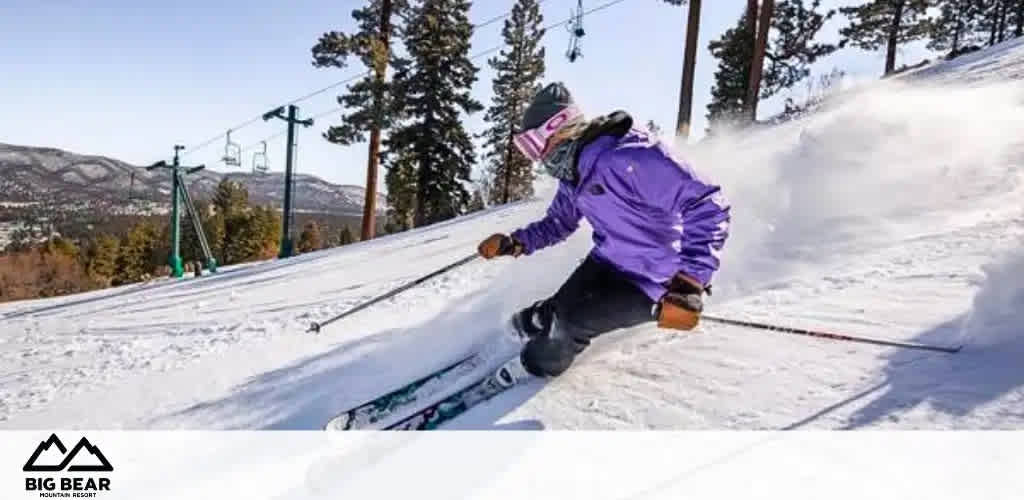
49	175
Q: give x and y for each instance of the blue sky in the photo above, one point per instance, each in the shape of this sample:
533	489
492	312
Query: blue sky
129	79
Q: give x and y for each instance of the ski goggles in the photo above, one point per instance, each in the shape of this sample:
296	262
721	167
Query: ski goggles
532	142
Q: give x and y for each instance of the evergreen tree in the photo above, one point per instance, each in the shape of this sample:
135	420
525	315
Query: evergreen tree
997	16
136	254
729	92
401	181
887	23
102	258
345	237
1019	19
790	52
954	26
519	68
369	100
216	230
241	237
309	239
477	203
434	90
791	46
230	197
267	227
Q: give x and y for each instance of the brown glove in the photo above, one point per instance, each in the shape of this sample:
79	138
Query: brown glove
681	305
499	244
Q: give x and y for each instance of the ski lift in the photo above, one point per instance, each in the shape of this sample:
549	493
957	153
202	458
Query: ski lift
576	32
131	186
232	152
259	160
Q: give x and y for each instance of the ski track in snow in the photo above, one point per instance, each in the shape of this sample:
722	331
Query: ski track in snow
896	214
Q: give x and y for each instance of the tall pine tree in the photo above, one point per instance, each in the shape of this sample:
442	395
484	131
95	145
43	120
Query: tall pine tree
519	68
954	26
401	182
791	46
734	52
369	100
1019	19
434	90
790	51
885	23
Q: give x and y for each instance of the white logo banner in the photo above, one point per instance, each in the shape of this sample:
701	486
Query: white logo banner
280	465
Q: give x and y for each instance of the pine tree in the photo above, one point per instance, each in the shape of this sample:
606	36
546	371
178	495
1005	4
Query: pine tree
267	227
729	93
476	204
790	51
954	26
434	90
1019	19
239	237
309	239
887	23
372	108
519	68
791	46
997	16
345	237
102	260
136	254
230	197
401	182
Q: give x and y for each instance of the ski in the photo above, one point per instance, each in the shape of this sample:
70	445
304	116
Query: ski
368	415
445	410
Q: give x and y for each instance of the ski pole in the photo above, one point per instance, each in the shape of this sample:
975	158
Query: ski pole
316	326
833	336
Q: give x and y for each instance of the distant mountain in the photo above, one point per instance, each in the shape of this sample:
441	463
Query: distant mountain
47	176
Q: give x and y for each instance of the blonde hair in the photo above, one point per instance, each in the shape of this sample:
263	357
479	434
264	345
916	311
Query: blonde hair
570	130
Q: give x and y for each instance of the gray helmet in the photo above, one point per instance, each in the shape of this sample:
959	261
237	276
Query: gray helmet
545	104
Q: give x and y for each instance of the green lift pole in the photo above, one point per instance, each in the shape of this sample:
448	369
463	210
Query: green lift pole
177	270
286	217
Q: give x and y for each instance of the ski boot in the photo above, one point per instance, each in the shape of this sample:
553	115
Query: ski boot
533	321
511	373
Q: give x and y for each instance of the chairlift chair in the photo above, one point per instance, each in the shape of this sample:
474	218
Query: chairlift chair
576	31
259	160
232	152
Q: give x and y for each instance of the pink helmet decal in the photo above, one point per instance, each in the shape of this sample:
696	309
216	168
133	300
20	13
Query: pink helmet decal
532	142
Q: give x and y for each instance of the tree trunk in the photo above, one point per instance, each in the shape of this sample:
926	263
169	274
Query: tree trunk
752	11
1020	19
1002	19
959	26
380	72
894	36
994	18
751	32
689	65
757	63
507	194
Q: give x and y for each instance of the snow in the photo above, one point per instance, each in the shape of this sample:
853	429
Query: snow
894	212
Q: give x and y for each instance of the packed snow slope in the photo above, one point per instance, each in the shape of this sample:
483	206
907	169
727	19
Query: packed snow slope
894	212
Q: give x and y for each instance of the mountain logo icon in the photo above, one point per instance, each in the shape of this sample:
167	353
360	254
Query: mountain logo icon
46	459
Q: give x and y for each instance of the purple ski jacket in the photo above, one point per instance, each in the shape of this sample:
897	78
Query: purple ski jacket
651	215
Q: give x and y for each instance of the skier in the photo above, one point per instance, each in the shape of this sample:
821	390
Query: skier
657	231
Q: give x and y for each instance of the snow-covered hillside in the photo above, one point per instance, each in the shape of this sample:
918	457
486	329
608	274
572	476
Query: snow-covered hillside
895	213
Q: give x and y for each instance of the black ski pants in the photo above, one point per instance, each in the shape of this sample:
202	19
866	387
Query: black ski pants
597	298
